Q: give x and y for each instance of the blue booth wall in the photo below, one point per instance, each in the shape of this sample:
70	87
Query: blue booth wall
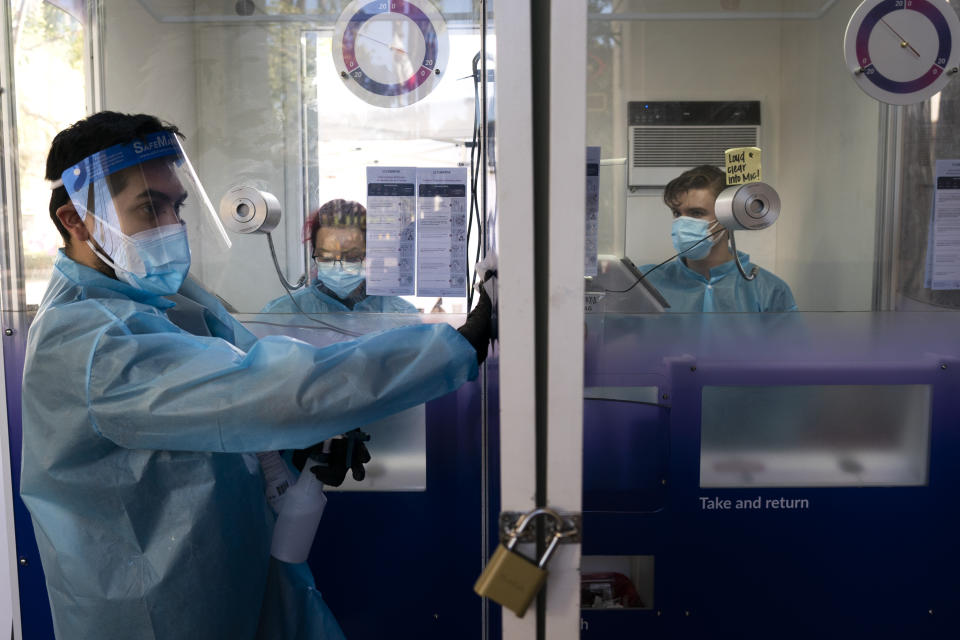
872	561
877	560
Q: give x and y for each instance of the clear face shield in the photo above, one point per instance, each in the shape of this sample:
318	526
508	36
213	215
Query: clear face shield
136	200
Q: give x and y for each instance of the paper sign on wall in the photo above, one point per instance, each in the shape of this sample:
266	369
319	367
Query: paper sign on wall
742	165
442	232
592	211
391	230
943	245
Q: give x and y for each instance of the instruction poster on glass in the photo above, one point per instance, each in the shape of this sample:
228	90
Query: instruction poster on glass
442	231
391	230
592	211
943	243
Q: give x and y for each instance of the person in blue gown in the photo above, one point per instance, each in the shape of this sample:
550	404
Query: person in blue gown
148	510
704	277
337	235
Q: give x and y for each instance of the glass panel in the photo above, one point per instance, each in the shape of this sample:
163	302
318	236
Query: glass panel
662	99
930	134
272	111
815	436
262	104
48	44
724	415
345	139
398	440
673	85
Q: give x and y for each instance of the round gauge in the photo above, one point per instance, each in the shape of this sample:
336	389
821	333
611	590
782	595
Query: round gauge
390	53
902	51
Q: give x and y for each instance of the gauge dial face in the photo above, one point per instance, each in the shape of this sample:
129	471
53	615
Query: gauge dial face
390	53
902	51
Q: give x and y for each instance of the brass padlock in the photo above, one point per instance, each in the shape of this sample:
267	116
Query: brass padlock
509	578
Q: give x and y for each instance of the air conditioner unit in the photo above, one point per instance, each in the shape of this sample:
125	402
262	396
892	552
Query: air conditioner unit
667	138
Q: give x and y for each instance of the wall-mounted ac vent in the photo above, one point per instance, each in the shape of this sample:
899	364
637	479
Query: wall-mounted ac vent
667	138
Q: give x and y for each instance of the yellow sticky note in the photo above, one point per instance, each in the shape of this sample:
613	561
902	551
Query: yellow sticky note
742	165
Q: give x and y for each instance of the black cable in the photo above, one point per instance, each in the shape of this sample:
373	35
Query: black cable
652	404
483	134
654	268
475	161
288	325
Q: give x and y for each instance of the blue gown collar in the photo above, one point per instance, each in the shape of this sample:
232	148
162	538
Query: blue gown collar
718	272
87	277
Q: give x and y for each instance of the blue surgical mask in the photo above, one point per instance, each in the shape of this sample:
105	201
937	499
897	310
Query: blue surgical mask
156	260
686	233
340	277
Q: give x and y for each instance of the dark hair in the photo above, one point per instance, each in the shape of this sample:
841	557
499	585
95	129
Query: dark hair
706	176
88	136
344	214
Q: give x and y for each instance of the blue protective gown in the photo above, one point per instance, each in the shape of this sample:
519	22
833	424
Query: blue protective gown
725	289
312	300
150	518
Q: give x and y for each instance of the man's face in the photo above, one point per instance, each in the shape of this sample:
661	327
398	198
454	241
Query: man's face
150	196
697	203
339	244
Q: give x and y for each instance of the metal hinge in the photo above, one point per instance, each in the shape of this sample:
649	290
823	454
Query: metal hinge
571	527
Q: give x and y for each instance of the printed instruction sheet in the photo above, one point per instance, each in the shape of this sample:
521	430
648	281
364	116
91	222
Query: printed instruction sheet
391	230
592	212
442	232
943	246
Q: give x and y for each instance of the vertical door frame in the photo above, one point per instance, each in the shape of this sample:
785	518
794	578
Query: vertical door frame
12	301
541	131
565	333
515	242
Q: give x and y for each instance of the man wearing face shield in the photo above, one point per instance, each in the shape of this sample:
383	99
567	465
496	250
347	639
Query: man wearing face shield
150	519
704	276
337	235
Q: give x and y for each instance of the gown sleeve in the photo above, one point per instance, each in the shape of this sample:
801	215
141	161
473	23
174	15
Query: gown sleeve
149	388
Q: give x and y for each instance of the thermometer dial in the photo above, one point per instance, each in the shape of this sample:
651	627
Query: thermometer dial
902	51
390	53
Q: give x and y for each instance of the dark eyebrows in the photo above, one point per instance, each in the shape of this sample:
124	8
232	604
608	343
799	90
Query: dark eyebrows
152	195
692	211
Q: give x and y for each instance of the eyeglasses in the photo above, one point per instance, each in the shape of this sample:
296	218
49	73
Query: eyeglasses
350	257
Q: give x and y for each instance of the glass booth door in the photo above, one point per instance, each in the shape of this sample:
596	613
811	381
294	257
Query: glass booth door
768	386
284	108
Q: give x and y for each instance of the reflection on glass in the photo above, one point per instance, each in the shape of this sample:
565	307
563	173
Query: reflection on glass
380	45
815	436
50	94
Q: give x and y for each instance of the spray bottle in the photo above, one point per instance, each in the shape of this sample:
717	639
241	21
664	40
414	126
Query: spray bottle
277	478
303	503
299	517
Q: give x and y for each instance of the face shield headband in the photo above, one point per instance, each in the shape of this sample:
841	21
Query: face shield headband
136	200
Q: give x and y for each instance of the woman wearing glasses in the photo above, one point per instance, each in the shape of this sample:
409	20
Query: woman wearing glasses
337	234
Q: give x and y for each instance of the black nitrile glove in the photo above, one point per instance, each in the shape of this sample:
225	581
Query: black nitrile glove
330	459
478	327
